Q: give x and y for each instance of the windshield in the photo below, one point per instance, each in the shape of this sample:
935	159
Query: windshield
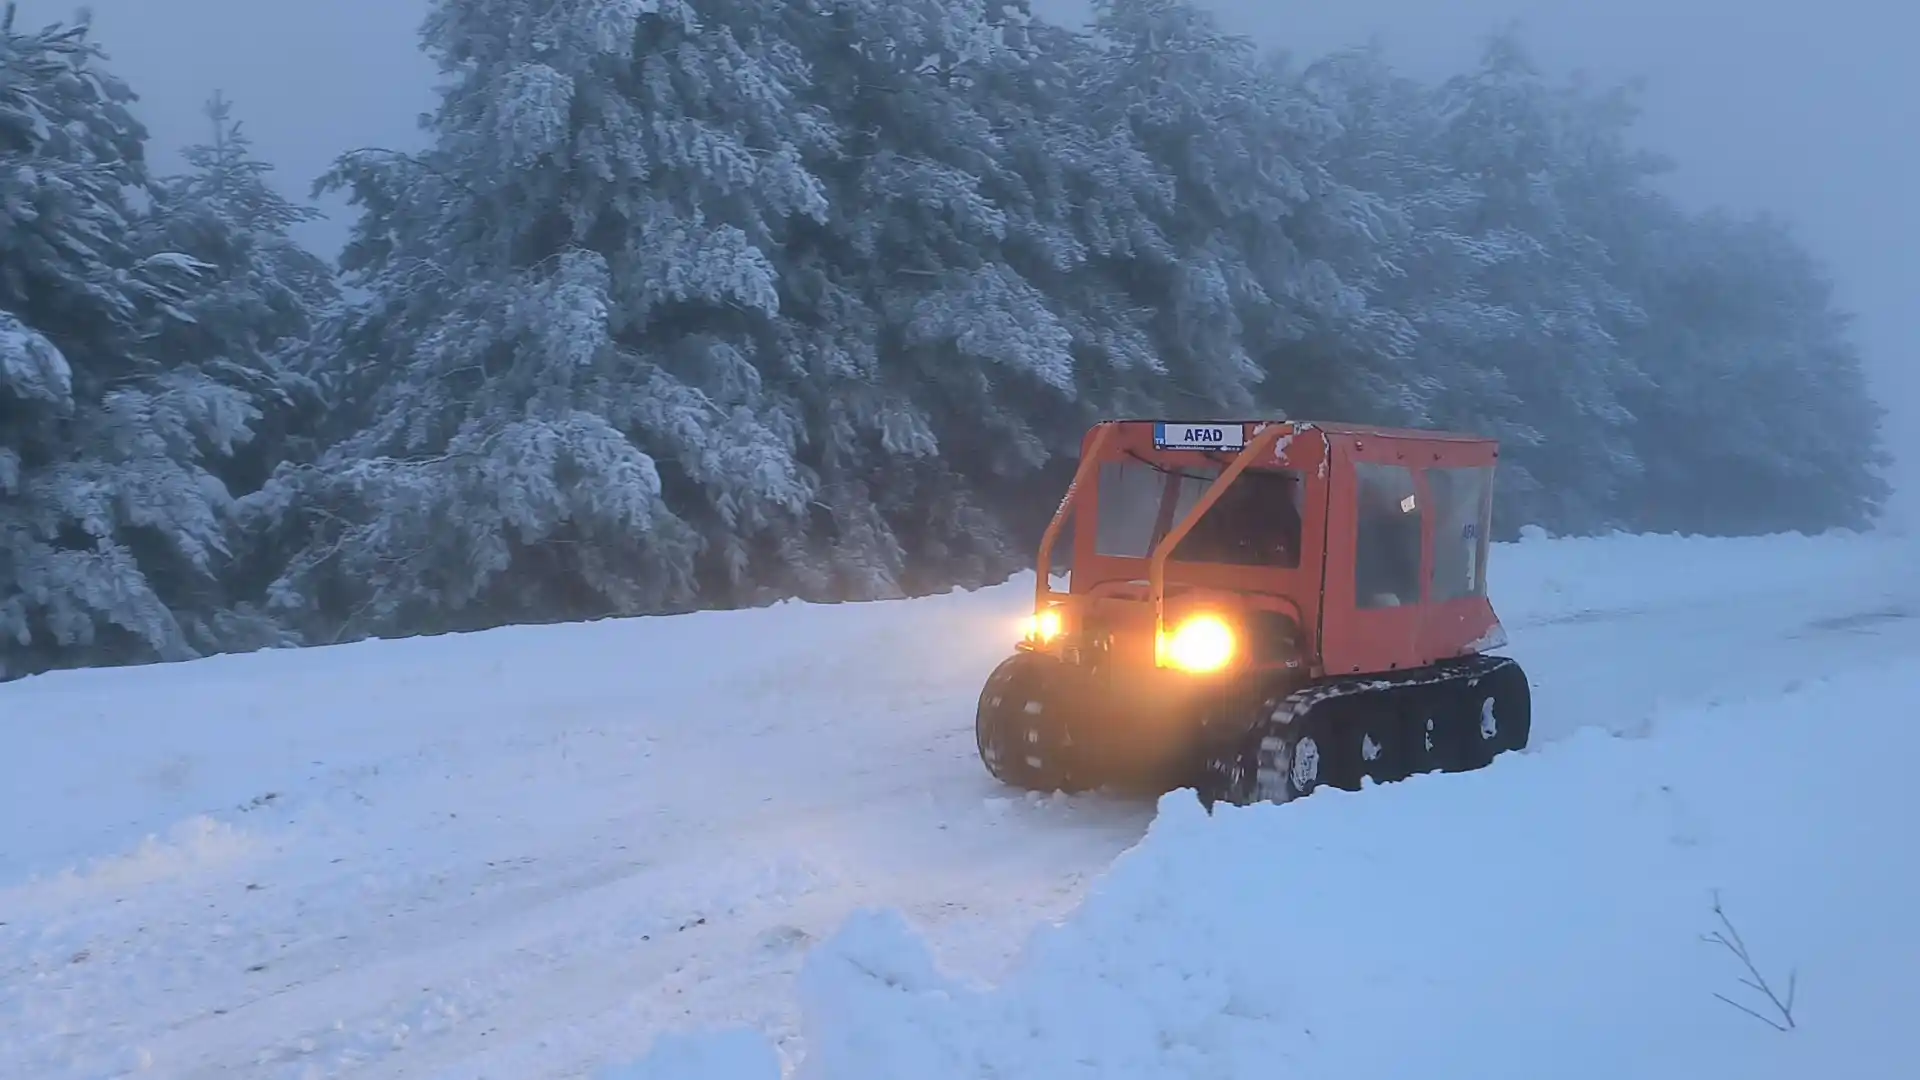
1255	523
1140	502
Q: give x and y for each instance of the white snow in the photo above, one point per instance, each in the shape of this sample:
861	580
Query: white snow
1541	919
532	852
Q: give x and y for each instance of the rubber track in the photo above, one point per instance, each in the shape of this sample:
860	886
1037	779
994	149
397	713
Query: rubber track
1270	776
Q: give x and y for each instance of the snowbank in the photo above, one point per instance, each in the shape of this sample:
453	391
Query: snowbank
1539	579
1543	918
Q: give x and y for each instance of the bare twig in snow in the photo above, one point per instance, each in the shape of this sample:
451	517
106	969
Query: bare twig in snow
1729	938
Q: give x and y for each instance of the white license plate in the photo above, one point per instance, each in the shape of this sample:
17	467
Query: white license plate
1199	436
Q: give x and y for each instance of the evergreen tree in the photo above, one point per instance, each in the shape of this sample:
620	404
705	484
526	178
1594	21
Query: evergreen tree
1530	153
1427	319
258	303
113	526
574	292
1762	419
1165	76
260	297
936	368
1269	293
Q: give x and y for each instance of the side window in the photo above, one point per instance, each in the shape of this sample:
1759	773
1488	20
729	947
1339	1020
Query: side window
1063	546
1256	522
1387	542
1462	516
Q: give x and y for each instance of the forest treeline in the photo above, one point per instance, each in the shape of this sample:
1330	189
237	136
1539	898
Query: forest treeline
701	303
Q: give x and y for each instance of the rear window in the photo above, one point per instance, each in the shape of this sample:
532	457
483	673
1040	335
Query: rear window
1463	514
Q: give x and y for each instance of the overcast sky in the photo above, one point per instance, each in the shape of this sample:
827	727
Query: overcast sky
1808	107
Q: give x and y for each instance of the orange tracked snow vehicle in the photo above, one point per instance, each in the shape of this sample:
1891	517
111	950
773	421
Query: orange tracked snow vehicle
1255	609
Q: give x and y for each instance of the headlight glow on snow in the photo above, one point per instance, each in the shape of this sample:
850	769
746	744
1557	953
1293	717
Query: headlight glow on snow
1043	626
1202	644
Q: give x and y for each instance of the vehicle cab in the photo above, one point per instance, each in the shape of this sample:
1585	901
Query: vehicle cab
1250	546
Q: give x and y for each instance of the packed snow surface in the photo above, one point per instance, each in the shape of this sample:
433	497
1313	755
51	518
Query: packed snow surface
722	844
1544	919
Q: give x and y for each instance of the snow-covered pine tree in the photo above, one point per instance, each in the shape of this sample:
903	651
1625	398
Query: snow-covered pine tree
1761	418
257	303
112	526
1164	75
1083	208
1273	253
934	370
1087	203
574	301
1416	341
261	296
1542	164
1637	363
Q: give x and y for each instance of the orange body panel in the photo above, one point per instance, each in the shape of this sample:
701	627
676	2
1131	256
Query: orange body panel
1127	600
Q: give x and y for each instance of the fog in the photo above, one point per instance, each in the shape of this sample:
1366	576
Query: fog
1789	105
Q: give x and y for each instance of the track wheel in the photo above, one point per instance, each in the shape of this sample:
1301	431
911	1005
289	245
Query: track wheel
1496	713
1294	753
1021	726
1476	711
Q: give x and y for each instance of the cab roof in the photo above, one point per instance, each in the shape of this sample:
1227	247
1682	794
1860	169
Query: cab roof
1331	427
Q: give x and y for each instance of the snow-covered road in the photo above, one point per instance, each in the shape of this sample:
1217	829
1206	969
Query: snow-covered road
527	852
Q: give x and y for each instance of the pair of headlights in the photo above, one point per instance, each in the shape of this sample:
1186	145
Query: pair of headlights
1201	644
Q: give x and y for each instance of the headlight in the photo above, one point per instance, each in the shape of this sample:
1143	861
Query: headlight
1202	644
1042	626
